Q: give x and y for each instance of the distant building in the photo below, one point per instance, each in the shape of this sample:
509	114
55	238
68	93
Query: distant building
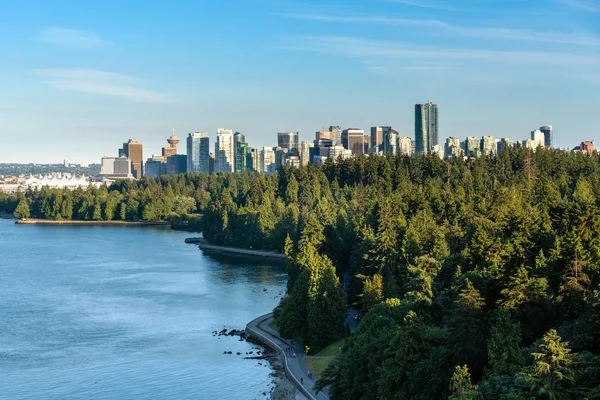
503	144
472	146
267	158
176	164
336	134
198	152
241	151
211	163
224	151
538	138
488	146
289	141
452	147
113	168
405	145
438	150
548	135
135	152
377	137
323	135
426	127
172	149
305	152
587	147
390	140
353	139
155	166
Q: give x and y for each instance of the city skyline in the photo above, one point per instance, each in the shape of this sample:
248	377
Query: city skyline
77	74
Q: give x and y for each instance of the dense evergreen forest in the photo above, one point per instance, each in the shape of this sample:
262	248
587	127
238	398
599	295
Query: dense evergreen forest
476	279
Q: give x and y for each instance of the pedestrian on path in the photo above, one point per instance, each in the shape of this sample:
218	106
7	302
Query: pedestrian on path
302	381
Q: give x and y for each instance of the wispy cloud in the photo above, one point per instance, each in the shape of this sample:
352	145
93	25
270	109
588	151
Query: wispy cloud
584	5
420	4
431	26
99	82
71	38
368	49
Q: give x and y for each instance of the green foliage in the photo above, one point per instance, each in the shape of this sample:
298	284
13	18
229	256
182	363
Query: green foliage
552	374
460	384
461	262
22	210
504	352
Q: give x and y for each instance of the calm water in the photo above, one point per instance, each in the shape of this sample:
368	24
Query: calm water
126	313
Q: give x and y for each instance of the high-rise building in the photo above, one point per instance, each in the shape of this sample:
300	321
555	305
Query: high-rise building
336	134
176	164
405	145
289	141
426	127
224	151
452	147
305	152
267	158
472	146
198	152
538	139
155	166
377	138
438	150
135	152
240	149
587	147
172	149
503	144
548	135
390	141
353	139
323	135
488	146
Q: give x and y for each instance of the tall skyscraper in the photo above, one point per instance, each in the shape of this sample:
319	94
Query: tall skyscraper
305	152
452	148
135	152
224	151
472	146
198	152
353	139
405	145
336	134
240	146
377	138
289	141
503	144
327	135
426	127
488	146
538	138
548	135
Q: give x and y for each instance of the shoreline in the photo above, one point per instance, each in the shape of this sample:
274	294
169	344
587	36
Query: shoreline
34	221
205	246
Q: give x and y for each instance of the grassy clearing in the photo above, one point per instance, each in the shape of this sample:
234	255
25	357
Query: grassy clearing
273	325
318	365
332	350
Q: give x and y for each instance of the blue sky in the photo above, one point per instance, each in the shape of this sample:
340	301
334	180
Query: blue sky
79	78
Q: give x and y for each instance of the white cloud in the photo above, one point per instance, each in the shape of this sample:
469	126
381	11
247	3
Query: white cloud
368	49
99	82
430	26
71	38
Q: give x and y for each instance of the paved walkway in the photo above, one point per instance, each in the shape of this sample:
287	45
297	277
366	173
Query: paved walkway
295	366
